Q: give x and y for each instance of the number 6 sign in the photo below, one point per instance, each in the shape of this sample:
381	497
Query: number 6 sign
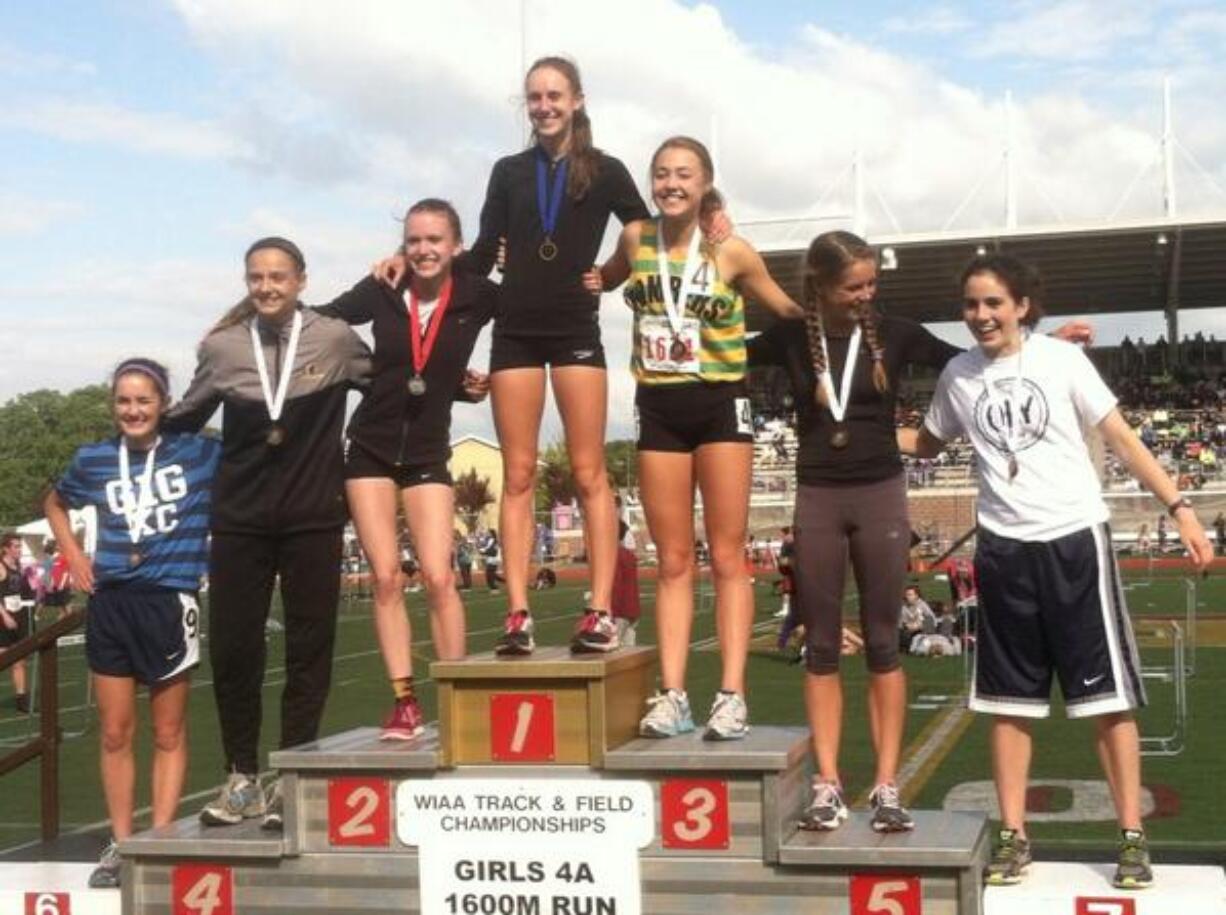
201	889
521	727
885	894
48	904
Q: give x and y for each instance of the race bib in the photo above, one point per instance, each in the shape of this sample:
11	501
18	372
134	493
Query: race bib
744	416
663	350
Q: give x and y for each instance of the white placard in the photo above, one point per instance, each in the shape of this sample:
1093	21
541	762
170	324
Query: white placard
527	846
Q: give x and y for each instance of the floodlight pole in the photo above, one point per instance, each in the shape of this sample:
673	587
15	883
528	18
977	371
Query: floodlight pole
1168	153
859	222
1175	237
1010	166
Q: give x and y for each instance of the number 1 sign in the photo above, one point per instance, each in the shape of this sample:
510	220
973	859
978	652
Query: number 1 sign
521	727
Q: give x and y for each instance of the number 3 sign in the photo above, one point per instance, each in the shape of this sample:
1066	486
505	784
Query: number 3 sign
694	813
885	894
521	727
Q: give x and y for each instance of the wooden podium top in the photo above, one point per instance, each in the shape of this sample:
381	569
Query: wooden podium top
546	663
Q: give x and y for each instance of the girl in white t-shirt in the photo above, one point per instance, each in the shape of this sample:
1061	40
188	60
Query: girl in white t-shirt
1050	595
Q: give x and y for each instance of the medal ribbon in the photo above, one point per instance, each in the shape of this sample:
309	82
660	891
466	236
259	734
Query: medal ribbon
838	403
421	349
675	308
137	499
549	205
276	402
1009	433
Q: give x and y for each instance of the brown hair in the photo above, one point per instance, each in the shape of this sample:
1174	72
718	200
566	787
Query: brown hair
154	371
439	207
712	200
828	256
1021	279
583	157
243	309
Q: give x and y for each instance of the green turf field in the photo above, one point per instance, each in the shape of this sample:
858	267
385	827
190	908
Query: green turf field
946	746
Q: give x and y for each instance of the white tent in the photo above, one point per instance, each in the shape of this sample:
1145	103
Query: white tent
35	533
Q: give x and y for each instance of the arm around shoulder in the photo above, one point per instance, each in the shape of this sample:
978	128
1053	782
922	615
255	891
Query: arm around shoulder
747	270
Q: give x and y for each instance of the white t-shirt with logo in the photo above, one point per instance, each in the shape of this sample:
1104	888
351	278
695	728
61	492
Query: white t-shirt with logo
1056	490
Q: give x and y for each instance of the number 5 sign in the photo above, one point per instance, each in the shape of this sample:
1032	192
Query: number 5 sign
521	727
885	894
201	889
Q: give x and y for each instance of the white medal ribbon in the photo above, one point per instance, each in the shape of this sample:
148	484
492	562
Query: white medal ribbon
136	498
838	403
675	308
276	402
1009	432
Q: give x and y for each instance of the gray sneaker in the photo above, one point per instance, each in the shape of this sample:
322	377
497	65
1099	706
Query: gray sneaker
729	718
106	875
274	806
889	815
1010	858
668	714
241	798
826	809
1132	868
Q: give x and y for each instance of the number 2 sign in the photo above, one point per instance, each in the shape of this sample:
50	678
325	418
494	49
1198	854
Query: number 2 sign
359	812
521	727
885	894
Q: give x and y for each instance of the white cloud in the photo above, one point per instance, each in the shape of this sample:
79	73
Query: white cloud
110	124
24	215
936	20
1066	30
18	62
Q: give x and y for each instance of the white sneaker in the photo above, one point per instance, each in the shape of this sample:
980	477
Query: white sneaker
668	714
627	634
729	718
241	798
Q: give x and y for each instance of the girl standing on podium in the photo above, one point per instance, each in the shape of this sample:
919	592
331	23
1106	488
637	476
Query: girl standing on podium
399	438
1050	600
152	492
695	427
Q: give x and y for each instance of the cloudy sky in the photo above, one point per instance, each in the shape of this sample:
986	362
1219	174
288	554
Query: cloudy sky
144	143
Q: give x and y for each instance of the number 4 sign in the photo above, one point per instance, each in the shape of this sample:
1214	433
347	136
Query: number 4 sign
201	889
885	894
521	727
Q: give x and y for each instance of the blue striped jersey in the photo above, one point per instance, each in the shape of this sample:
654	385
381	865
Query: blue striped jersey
172	523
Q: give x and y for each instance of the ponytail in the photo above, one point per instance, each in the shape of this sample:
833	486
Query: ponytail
583	158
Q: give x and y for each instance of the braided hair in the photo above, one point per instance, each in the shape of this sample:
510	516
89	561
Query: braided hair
828	256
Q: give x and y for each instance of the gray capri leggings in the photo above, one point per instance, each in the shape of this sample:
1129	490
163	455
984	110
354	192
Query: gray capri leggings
867	521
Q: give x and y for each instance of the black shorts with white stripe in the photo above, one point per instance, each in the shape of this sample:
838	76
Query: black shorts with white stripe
1053	607
149	634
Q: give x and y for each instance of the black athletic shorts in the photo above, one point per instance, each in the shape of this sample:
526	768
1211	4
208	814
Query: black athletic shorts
682	417
12	636
514	351
360	464
149	634
1053	607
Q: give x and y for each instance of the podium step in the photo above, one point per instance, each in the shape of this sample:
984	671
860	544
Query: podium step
361	750
189	838
1085	889
53	888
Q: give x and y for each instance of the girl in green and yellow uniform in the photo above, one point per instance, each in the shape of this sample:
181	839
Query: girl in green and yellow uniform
694	421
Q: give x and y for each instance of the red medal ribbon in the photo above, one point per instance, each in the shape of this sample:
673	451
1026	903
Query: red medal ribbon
421	349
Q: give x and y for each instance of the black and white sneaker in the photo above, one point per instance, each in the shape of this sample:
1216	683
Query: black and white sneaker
106	875
889	815
826	809
516	638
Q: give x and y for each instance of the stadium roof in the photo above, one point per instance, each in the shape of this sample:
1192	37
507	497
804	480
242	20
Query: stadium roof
1121	267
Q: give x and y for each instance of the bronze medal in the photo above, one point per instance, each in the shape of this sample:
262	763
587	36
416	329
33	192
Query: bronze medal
548	250
134	558
276	435
1012	468
677	350
840	437
417	385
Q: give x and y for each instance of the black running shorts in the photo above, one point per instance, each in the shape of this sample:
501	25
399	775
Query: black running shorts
683	417
151	635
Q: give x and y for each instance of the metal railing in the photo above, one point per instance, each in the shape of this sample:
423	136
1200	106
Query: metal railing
46	746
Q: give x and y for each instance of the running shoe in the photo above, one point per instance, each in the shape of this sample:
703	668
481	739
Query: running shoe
889	815
274	808
241	798
1132	867
1010	858
729	718
826	809
404	721
627	632
516	638
21	702
668	714
106	875
596	632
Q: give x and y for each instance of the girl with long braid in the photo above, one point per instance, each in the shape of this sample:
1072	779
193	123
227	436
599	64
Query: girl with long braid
851	502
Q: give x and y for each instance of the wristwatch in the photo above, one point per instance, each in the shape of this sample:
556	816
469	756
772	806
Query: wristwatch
1181	502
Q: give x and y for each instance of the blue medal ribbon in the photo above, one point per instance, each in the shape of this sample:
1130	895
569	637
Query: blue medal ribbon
549	205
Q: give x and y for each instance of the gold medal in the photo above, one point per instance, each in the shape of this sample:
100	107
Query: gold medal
548	250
